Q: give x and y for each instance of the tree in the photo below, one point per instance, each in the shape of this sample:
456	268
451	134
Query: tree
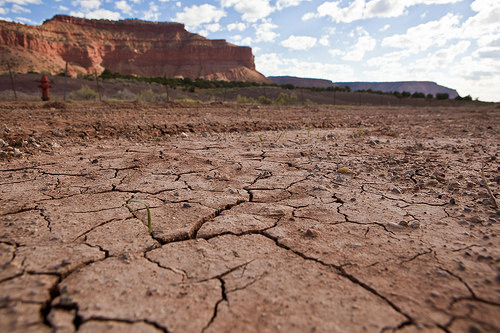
442	96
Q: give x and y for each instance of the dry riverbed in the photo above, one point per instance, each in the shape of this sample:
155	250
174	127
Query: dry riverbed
264	219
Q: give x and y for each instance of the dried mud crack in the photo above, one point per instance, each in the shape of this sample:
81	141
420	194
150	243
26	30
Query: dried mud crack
387	227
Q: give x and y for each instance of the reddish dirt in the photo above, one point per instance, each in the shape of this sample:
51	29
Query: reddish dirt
264	219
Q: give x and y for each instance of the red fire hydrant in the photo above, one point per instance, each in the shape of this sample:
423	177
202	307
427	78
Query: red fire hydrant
44	84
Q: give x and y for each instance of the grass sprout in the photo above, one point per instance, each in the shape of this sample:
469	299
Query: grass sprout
135	213
260	138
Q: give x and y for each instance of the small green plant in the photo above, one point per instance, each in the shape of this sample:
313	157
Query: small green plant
189	100
264	100
84	93
150	231
260	138
281	134
244	100
360	132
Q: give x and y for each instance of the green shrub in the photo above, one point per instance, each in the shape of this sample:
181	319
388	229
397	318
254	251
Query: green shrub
264	100
84	93
189	100
244	99
284	99
125	94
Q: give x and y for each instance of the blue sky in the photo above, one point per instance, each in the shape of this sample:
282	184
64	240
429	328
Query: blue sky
454	43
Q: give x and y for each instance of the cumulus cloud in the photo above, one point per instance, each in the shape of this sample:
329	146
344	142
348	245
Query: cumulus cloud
19	9
324	40
251	11
87	5
24	2
425	35
299	42
364	44
281	4
196	15
124	7
236	26
98	14
264	33
152	13
362	9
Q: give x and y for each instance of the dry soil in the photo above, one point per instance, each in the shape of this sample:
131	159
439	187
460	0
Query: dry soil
264	219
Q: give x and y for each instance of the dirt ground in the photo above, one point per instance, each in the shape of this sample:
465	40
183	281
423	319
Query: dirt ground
264	219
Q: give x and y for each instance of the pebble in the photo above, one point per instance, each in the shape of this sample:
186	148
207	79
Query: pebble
403	223
184	135
344	170
17	152
395	190
498	211
434	294
462	222
475	219
414	224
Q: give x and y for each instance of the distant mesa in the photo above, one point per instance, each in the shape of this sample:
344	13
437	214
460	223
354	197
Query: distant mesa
127	47
425	87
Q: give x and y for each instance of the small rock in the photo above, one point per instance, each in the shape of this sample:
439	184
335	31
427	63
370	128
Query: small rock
17	152
276	213
3	143
475	219
414	224
341	179
463	222
403	223
498	211
452	201
311	233
344	170
434	294
55	145
184	135
395	190
461	266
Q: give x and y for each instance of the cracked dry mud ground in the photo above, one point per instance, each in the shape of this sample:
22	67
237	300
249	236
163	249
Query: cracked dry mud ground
250	234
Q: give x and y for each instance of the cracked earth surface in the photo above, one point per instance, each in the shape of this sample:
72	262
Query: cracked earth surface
268	219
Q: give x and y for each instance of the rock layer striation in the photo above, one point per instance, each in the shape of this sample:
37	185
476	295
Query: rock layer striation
127	47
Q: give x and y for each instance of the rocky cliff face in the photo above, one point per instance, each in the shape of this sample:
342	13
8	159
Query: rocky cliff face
127	47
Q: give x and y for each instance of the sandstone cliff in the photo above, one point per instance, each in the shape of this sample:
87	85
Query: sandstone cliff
127	47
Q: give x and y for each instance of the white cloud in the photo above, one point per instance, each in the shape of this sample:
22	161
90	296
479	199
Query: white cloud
385	28
3	11
236	26
24	2
214	27
239	40
324	40
63	8
152	13
275	64
425	35
364	44
124	7
18	9
299	42
197	15
98	14
264	33
485	21
26	20
362	9
87	5
281	4
251	11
